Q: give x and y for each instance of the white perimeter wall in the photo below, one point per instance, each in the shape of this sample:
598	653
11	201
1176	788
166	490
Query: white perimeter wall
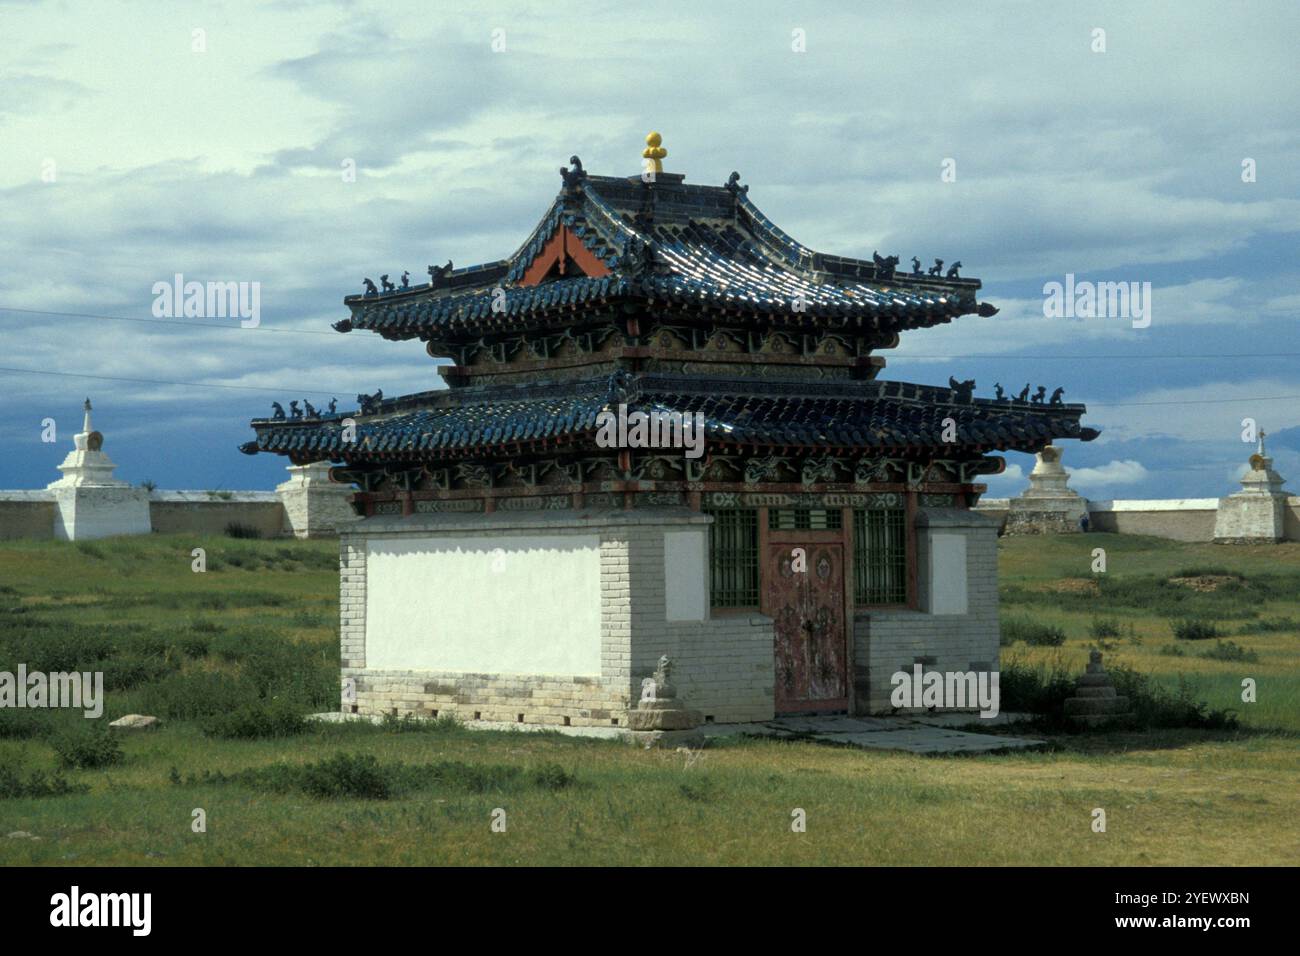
507	604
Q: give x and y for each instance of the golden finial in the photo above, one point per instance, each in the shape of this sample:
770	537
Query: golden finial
654	152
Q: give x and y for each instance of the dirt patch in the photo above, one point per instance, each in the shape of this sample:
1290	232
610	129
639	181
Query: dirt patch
1206	582
1069	586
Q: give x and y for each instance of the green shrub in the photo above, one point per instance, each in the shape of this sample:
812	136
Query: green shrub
1034	689
1102	627
1189	629
25	724
1229	651
1154	706
1269	625
194	645
256	721
552	776
87	747
1172	650
1030	632
198	694
39	784
54	648
131	670
346	775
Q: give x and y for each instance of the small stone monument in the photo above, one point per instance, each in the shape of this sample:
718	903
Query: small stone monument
91	502
660	719
1255	514
1095	702
1049	505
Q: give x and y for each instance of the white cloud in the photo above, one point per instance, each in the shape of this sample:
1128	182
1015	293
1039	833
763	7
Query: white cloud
1114	472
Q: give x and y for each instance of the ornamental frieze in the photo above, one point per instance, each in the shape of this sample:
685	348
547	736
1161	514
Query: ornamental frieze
435	506
745	499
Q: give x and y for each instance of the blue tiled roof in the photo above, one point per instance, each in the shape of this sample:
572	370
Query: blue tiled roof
884	416
672	243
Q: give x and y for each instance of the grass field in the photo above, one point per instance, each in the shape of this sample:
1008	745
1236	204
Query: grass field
237	653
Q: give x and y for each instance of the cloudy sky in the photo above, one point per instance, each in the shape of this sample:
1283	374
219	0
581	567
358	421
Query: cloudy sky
142	140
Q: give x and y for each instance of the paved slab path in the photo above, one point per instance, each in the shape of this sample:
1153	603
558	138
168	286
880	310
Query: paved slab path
919	734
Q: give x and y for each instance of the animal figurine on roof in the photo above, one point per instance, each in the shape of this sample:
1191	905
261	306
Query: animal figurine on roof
1024	396
998	394
1040	394
952	272
937	268
278	410
370	287
916	266
333	404
388	286
370	403
1056	397
310	409
962	391
572	177
294	410
439	274
733	184
885	265
406	280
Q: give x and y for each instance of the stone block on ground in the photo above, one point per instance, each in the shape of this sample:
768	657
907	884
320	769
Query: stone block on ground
135	722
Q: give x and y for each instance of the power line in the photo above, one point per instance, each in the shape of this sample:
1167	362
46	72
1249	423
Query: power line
285	390
186	324
153	381
1197	401
896	356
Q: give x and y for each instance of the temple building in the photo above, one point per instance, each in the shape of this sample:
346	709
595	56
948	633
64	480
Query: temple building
663	433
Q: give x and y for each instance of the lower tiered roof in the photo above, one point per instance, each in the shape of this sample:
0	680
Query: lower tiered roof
883	416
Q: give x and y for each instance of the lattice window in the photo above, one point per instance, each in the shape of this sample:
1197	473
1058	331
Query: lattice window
880	556
803	519
733	557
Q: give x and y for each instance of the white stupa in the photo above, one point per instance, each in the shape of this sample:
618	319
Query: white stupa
1256	513
91	502
1049	505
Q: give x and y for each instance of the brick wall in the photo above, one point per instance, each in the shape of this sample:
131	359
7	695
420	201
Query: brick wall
889	641
723	666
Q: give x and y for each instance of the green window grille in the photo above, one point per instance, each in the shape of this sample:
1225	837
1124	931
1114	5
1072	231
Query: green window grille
803	519
880	556
733	557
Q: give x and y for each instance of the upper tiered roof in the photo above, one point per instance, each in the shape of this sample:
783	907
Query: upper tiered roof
664	242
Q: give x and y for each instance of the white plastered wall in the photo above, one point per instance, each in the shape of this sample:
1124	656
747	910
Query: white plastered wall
502	604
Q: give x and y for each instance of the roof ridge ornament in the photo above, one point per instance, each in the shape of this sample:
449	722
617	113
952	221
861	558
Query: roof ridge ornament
733	185
573	178
439	275
654	153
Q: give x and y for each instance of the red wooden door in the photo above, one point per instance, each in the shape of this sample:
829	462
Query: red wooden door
808	608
